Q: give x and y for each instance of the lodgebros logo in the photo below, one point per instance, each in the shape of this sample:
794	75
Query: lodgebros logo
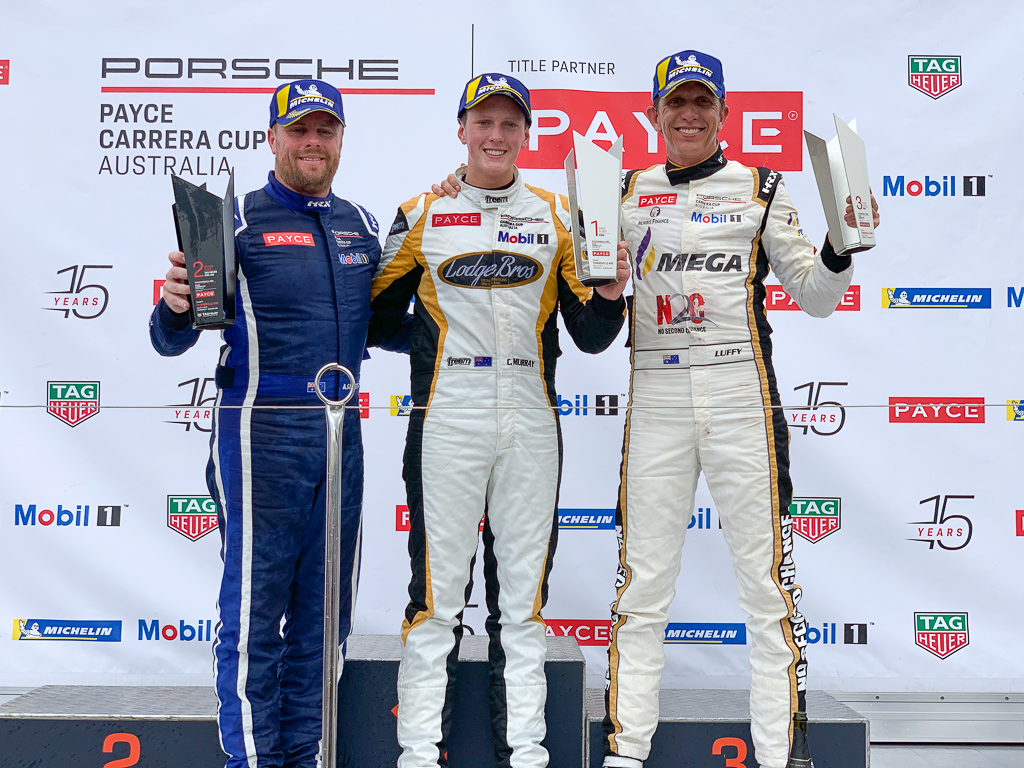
192	516
776	298
73	401
583	631
493	269
941	634
814	519
765	127
936	410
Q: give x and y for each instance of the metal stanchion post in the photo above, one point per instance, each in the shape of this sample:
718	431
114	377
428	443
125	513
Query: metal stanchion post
335	411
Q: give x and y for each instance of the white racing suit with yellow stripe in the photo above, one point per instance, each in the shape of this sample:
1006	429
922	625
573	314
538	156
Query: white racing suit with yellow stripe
703	397
488	271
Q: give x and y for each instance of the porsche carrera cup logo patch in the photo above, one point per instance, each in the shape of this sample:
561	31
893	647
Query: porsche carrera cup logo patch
494	269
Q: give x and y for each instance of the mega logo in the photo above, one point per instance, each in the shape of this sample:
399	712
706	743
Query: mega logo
897	186
586	519
821	417
494	269
401	405
67	629
5	71
764	128
107	516
706	634
776	298
192	516
73	401
933	76
150	629
195	412
936	410
814	519
699	262
455	220
936	298
604	405
951	532
288	238
583	631
87	302
941	634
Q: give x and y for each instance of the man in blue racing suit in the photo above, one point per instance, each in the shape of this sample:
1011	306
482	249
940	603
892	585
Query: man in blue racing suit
305	261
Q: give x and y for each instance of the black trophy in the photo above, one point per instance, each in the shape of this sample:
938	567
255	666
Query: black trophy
205	226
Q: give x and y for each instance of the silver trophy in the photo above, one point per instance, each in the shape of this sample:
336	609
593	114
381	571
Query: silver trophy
596	236
841	170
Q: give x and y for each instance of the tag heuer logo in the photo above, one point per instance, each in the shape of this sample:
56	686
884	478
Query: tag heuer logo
934	75
191	516
814	519
942	634
73	401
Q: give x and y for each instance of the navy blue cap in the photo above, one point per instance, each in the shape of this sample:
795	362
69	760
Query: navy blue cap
495	84
293	100
687	66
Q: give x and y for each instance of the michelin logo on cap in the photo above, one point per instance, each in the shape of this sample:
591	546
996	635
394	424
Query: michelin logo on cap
292	101
687	66
495	84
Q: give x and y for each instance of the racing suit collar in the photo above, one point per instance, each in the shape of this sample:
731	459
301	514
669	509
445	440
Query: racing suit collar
294	200
680	175
491	198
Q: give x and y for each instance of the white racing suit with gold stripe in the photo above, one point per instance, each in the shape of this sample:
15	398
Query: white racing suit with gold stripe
701	354
488	271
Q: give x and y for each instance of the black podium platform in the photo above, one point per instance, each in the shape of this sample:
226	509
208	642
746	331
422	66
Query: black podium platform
175	727
699	728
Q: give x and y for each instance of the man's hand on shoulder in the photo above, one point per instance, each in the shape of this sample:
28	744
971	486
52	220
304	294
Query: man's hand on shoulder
175	291
613	291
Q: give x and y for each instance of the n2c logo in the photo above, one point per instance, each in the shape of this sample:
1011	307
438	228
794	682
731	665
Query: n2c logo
827	422
135	749
91	298
737	760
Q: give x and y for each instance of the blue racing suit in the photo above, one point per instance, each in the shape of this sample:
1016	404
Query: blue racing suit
302	300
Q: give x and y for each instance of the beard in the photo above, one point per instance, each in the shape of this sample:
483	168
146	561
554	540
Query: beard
306	182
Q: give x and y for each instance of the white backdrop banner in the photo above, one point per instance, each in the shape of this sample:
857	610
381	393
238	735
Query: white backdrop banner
904	405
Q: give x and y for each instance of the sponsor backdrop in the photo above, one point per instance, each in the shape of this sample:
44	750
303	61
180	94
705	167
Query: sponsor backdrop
905	406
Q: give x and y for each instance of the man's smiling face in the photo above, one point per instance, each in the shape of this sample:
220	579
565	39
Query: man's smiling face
306	153
689	118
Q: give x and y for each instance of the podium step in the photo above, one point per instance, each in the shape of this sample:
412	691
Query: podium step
700	728
170	727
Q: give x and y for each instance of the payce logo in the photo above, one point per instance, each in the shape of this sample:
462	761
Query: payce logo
107	516
777	299
936	410
583	631
765	127
941	634
86	302
950	532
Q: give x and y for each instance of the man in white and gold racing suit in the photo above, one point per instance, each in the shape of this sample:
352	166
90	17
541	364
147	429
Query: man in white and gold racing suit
488	269
703	234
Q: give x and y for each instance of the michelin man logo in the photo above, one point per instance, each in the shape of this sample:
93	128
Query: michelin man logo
32	631
690	62
311	91
898	301
499	81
